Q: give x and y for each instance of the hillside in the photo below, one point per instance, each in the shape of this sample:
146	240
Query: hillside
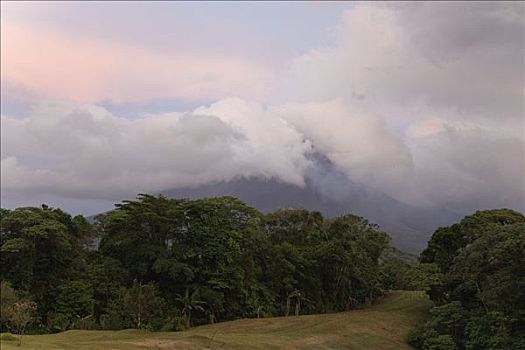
382	326
333	195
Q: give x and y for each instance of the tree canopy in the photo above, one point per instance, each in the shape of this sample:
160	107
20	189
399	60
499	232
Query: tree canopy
480	294
172	263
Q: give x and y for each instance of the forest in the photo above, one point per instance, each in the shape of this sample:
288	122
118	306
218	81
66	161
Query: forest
170	264
475	274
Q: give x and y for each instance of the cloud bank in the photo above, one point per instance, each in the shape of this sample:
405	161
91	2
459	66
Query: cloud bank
422	101
76	148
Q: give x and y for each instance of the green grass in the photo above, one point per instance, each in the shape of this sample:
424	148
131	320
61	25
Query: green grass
383	326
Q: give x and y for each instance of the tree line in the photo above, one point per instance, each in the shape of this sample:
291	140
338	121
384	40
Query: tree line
475	274
169	264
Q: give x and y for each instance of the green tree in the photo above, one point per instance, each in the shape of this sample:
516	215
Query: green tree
293	235
41	248
334	263
222	258
350	261
106	276
190	302
480	295
142	303
425	277
7	297
395	266
74	302
446	241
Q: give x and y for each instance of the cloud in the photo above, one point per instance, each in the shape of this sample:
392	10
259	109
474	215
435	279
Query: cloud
468	165
423	101
53	65
447	79
356	141
86	151
404	58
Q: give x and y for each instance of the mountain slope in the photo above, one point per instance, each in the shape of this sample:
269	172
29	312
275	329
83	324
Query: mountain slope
410	227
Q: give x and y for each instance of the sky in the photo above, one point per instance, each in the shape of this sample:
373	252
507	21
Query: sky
423	101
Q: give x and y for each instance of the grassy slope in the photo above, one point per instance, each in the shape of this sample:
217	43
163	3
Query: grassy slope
382	326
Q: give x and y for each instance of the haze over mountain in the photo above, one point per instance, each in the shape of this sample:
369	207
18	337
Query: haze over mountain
329	191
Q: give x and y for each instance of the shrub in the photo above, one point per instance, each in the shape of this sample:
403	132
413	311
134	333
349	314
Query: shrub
418	335
7	337
440	342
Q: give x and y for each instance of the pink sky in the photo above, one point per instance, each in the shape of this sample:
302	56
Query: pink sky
54	65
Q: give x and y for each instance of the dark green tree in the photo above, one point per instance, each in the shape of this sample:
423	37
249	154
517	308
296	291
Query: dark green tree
41	248
74	302
481	296
190	302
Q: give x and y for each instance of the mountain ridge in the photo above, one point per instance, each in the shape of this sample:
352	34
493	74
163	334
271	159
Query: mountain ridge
409	226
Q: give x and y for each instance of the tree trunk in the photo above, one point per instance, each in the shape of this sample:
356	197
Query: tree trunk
297	306
139	313
287	311
20	334
188	319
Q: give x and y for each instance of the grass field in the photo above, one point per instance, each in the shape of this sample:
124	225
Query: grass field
382	326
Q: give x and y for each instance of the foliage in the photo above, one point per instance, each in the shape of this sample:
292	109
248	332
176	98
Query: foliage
395	266
7	297
173	263
42	248
19	314
7	337
190	302
106	277
142	303
477	270
74	304
440	342
423	276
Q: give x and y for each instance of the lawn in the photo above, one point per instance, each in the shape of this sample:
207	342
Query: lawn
382	326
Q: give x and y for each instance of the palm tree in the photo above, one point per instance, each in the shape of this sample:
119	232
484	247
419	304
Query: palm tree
189	303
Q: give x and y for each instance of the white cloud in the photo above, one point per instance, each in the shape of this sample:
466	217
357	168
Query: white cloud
421	100
461	163
87	151
356	141
448	78
462	57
